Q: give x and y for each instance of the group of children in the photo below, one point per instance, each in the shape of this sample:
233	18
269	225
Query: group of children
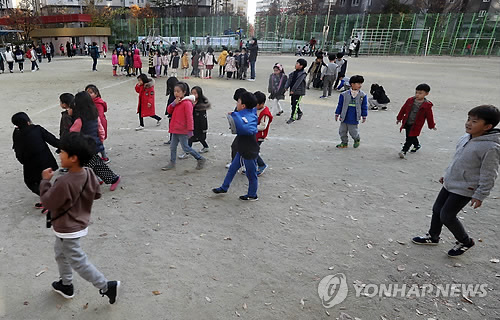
129	62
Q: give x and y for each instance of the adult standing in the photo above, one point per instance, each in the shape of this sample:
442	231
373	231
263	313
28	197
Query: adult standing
52	49
312	46
19	57
143	47
94	53
68	49
254	49
10	58
49	52
357	45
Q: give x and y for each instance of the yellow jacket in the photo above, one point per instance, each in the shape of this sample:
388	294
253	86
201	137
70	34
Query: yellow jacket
121	60
222	58
184	62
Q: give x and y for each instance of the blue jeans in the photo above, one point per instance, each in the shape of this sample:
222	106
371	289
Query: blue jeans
251	173
252	69
183	139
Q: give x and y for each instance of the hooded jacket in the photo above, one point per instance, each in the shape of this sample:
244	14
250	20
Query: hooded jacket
137	59
146	92
182	116
200	119
474	167
299	86
222	58
102	107
424	113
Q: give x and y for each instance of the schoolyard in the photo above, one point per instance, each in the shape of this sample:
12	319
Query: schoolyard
182	252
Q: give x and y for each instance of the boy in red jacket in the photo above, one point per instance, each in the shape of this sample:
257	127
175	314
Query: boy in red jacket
265	119
69	200
412	115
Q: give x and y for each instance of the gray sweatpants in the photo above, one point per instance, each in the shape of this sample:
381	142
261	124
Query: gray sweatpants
328	82
353	131
69	257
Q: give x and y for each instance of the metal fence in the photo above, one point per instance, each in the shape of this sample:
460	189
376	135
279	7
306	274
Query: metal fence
398	34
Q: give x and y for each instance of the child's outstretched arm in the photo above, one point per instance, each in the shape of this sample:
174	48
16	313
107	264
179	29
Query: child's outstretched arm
50	138
338	111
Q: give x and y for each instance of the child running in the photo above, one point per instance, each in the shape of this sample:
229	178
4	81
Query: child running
70	201
244	122
87	122
145	87
201	105
265	118
182	125
102	107
470	177
30	146
412	117
297	84
276	88
351	108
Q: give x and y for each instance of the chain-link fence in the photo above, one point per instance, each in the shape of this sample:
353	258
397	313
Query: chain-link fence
380	34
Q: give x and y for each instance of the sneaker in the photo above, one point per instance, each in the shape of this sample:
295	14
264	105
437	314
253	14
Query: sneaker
169	166
106	160
460	248
261	170
115	184
205	150
183	156
290	121
415	149
33	70
249	198
341	145
218	190
112	292
356	143
38	205
384	108
228	165
243	170
323	97
300	116
281	112
251	79
67	292
158	122
374	108
166	142
139	128
200	163
425	240
402	154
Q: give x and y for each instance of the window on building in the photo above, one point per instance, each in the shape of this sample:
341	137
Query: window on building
486	0
342	3
482	13
355	3
369	3
452	1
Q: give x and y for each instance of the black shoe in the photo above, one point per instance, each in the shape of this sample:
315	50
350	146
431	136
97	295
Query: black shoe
374	108
67	292
112	291
384	108
248	198
425	240
219	190
300	116
290	121
415	149
460	248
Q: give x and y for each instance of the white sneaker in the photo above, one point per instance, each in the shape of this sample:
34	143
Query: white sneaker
139	128
33	70
250	79
204	150
158	122
228	165
183	156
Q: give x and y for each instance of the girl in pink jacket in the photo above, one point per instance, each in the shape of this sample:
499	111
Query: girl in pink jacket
101	107
182	125
114	62
137	62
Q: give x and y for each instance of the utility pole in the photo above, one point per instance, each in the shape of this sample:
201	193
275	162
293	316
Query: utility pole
327	26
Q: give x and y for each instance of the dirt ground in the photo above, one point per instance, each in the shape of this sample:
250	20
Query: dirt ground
216	257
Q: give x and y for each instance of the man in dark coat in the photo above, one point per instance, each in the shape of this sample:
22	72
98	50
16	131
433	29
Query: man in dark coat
252	58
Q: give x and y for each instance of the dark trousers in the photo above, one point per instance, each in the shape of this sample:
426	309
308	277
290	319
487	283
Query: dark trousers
229	74
34	65
260	162
94	65
102	170
252	69
49	57
141	119
193	139
11	65
409	140
296	106
222	70
444	212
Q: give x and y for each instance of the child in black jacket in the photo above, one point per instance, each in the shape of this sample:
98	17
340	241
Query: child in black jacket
380	99
30	146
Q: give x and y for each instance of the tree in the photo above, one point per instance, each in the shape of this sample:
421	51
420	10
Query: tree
274	9
395	6
25	18
439	6
300	7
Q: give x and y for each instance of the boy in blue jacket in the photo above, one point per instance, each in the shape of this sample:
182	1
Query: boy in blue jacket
352	107
244	122
470	177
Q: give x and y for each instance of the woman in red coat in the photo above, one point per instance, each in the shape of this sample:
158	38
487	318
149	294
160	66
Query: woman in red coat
145	87
137	62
